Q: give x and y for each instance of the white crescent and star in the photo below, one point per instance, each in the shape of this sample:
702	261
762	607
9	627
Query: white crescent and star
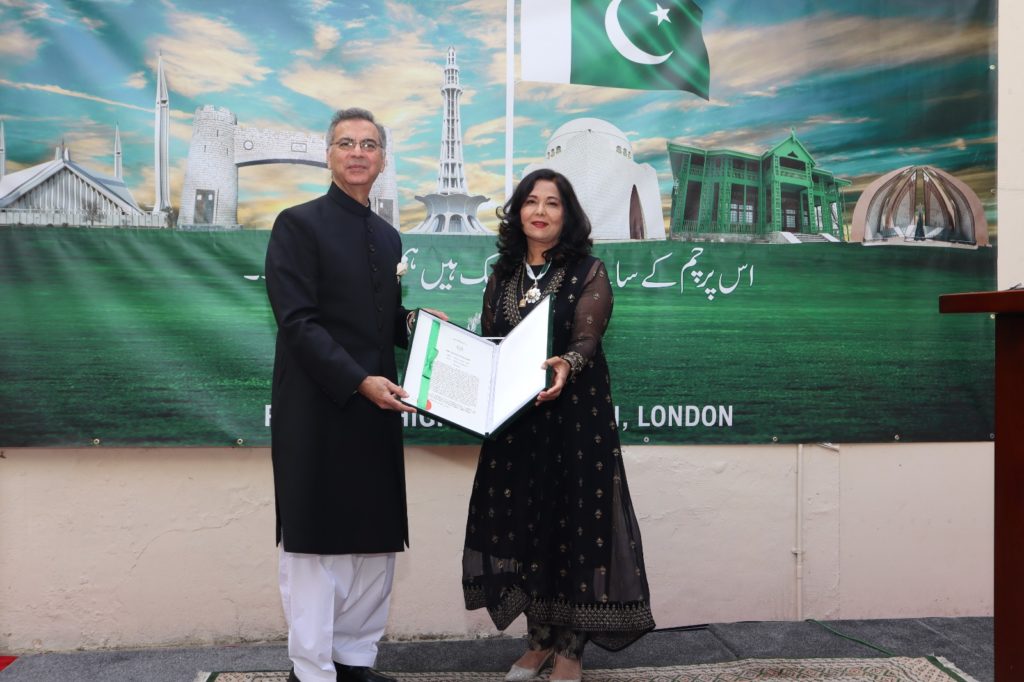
661	13
626	47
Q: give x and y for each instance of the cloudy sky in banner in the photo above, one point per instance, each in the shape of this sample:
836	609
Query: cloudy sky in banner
867	86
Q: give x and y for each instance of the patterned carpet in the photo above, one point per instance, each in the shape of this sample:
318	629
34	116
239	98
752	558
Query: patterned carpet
756	670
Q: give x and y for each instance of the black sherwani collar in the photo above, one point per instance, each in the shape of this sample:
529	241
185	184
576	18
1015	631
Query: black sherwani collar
346	202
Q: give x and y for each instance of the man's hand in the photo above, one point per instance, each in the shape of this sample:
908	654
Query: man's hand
561	368
437	313
410	320
384	394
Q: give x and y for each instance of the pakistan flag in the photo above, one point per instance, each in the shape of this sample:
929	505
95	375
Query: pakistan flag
635	44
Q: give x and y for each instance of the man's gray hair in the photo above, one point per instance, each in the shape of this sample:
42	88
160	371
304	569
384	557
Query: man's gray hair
354	114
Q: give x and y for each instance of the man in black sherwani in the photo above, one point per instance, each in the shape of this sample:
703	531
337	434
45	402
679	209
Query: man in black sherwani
336	431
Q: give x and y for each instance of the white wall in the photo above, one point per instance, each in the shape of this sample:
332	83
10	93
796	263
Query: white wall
116	548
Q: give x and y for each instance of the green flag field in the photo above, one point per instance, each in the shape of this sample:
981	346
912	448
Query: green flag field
158	337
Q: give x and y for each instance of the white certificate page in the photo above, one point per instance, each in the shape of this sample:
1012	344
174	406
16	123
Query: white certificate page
470	381
519	376
456	373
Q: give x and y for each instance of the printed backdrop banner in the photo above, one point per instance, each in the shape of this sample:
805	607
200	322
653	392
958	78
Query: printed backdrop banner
162	337
780	190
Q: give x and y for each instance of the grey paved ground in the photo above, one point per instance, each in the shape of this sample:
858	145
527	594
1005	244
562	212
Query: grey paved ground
967	642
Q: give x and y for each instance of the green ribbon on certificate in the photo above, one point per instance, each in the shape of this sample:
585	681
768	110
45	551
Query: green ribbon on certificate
428	365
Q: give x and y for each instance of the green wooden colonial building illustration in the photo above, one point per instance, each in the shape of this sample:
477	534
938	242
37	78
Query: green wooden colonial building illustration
779	196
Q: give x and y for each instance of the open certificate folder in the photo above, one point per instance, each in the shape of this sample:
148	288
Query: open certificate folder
472	382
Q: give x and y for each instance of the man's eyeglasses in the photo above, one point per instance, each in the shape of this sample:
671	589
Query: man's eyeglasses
347	144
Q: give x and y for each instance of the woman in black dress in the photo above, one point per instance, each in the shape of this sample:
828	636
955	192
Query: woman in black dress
551	530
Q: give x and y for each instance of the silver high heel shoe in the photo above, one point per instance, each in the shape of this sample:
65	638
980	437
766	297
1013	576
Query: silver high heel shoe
565	679
518	673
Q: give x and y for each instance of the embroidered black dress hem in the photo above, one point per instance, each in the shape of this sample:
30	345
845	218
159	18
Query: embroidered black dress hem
551	530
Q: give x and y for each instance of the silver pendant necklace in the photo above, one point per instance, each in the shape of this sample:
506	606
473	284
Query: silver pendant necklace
532	294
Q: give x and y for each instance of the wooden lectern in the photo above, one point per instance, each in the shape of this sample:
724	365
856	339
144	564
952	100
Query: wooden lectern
1008	307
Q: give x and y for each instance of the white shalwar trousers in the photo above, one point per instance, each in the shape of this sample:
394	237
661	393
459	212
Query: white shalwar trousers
336	607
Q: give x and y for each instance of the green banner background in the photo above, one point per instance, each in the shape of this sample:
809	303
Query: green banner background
166	338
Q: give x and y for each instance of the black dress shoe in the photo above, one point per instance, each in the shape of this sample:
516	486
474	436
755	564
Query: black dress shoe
359	673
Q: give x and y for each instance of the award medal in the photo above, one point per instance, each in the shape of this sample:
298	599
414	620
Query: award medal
532	294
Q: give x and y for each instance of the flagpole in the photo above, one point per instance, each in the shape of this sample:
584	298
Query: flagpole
510	89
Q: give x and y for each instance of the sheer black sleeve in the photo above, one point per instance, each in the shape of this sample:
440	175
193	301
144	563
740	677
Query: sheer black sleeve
488	311
593	312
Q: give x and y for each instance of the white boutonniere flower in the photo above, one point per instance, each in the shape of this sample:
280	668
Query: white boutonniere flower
403	267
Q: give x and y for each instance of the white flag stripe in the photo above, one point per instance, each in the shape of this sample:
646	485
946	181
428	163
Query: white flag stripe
545	40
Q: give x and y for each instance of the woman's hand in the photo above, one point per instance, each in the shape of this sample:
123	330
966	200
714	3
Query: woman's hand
561	368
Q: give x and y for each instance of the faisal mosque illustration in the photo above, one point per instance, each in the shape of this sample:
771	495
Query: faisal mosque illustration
598	160
63	192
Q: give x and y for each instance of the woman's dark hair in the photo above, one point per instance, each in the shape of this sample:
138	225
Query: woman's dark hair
573	243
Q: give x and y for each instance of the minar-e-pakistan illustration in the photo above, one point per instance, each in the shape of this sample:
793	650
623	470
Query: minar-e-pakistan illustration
451	209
